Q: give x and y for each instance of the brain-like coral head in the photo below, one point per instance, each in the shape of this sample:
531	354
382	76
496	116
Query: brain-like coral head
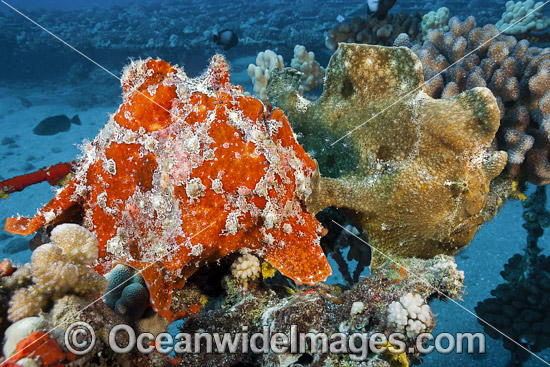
424	164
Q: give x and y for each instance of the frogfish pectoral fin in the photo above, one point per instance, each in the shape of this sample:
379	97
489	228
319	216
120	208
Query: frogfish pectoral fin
55	211
305	263
159	283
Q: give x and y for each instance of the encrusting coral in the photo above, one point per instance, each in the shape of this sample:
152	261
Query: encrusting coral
58	268
126	292
424	165
186	172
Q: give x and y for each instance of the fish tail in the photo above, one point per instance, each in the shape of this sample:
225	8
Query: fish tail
76	120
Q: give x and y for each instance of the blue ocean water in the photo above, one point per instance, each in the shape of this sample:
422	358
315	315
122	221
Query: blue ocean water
42	76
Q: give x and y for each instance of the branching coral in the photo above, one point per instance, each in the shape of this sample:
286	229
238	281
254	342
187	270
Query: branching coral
312	73
410	315
515	20
259	74
60	267
517	74
519	306
246	268
436	20
424	165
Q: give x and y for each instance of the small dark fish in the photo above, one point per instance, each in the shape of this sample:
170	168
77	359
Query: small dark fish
55	124
25	102
380	8
226	38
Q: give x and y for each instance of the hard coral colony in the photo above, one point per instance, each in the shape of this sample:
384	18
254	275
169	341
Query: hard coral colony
186	172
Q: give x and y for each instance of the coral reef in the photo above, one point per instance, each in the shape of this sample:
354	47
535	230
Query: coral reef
126	292
246	268
72	251
186	172
425	165
326	309
303	61
519	309
373	31
512	22
266	61
64	312
436	20
312	73
467	57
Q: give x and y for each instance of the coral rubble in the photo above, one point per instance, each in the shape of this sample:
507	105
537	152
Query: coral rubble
364	309
186	172
424	165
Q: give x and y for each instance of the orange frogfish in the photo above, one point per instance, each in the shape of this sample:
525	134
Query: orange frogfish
187	171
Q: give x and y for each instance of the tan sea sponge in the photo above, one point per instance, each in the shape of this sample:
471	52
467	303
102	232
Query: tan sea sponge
424	165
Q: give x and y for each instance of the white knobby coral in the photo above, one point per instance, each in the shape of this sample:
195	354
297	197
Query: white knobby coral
246	268
313	73
410	314
60	267
79	244
265	62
